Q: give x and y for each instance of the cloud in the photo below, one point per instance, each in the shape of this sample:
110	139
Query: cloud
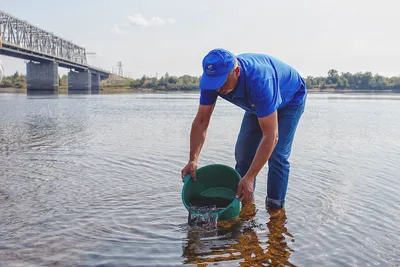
115	28
171	21
138	20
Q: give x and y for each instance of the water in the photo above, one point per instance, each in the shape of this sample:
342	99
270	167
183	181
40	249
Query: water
94	180
203	211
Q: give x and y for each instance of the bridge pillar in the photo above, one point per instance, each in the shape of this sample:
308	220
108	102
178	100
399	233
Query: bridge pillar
79	82
42	77
95	83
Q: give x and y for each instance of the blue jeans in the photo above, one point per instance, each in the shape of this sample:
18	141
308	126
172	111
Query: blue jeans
249	138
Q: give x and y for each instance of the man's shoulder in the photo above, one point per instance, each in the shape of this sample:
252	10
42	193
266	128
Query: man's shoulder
256	61
261	59
259	66
254	57
256	67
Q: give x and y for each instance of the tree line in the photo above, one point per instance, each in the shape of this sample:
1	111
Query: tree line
18	80
14	81
333	80
167	83
356	81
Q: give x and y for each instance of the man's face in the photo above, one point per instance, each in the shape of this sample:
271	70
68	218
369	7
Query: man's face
230	83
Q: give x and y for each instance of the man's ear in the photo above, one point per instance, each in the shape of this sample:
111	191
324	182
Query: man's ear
237	71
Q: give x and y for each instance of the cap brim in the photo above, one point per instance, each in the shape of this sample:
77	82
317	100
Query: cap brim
212	83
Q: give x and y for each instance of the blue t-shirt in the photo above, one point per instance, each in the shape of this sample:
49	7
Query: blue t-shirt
265	84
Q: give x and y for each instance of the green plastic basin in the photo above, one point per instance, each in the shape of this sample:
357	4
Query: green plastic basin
215	180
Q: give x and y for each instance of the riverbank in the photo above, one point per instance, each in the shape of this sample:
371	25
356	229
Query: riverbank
12	90
123	90
65	90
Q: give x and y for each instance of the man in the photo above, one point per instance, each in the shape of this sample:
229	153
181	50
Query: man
273	95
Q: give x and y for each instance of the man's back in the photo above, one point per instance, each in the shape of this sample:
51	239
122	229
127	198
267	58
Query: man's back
289	82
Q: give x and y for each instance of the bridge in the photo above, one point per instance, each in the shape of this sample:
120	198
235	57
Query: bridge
46	52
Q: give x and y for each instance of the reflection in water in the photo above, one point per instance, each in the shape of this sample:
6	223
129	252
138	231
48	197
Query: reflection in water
237	241
42	92
95	91
56	93
79	92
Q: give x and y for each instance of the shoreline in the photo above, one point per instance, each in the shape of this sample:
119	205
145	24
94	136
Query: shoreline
117	90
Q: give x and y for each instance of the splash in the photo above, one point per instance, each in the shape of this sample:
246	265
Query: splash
205	217
204	211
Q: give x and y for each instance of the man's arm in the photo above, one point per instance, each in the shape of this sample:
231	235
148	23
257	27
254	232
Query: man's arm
199	130
197	138
269	127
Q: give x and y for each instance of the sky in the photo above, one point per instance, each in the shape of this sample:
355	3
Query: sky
152	37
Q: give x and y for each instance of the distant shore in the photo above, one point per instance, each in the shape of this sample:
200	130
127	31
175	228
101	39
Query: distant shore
334	83
116	90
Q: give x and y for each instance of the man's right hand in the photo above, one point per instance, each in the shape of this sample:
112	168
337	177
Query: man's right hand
191	168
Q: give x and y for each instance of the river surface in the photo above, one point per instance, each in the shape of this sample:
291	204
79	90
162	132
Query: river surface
94	180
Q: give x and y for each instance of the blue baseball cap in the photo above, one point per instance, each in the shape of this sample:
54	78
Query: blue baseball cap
216	67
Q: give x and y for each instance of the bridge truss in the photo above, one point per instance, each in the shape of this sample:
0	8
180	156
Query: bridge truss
18	33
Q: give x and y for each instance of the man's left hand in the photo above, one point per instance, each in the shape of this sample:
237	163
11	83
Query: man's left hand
245	188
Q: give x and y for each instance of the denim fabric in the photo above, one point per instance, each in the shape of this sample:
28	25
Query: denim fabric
249	138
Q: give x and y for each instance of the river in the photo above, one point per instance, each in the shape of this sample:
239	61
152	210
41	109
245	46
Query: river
94	180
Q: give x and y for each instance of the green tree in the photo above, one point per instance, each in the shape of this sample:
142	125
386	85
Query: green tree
333	76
